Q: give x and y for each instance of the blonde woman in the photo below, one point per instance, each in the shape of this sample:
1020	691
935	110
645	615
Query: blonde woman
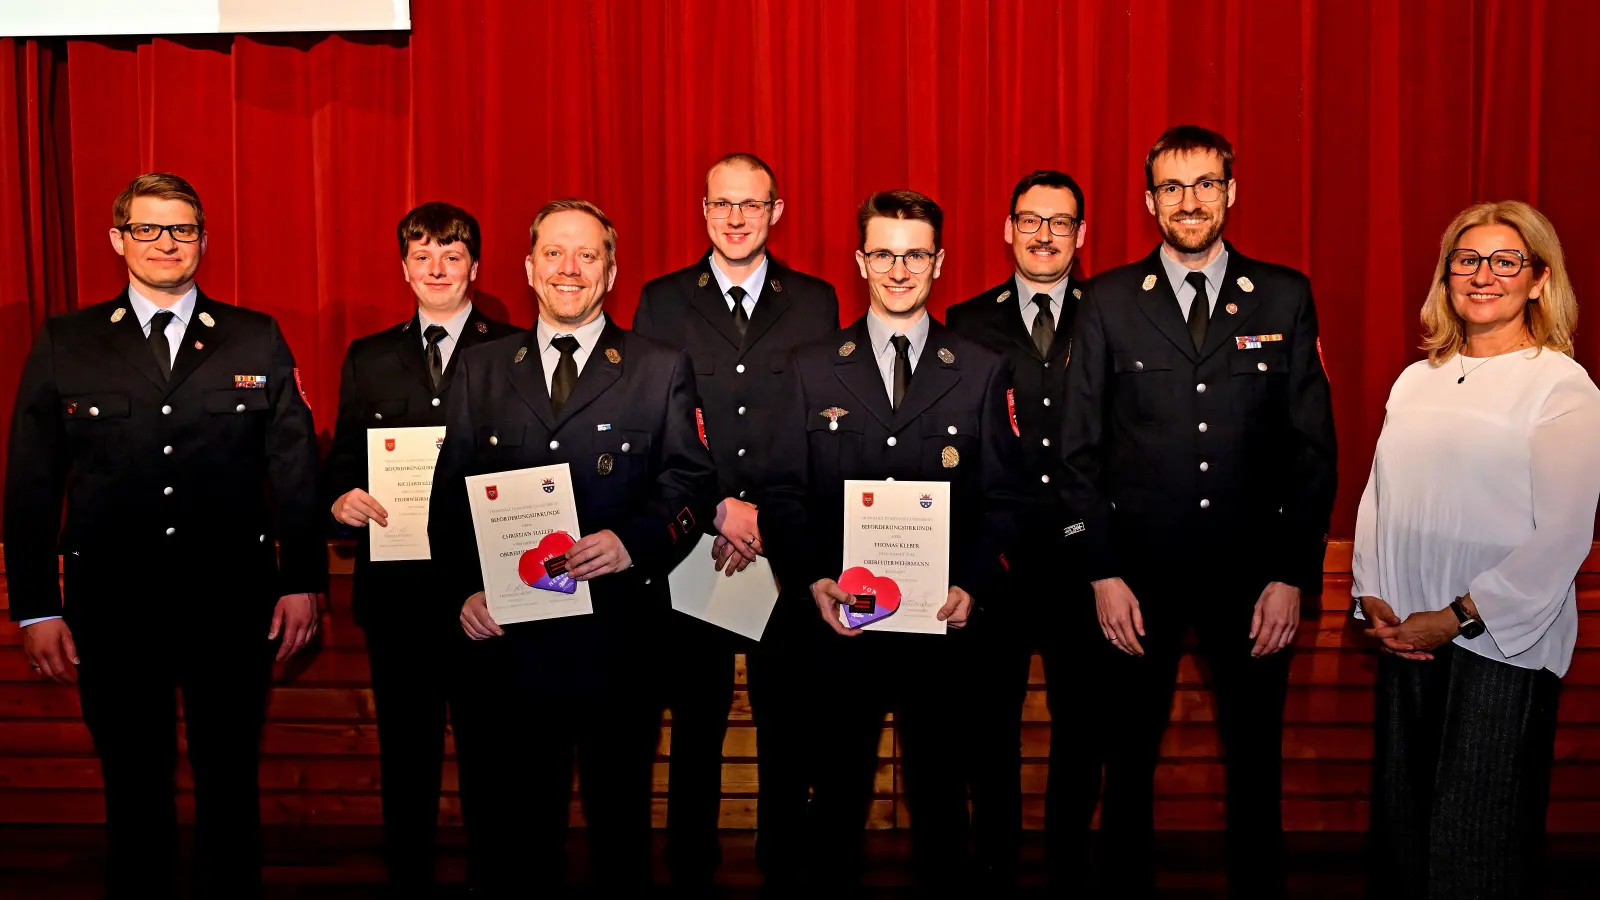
1478	513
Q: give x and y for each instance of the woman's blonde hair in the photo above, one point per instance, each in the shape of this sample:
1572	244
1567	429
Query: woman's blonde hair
1550	319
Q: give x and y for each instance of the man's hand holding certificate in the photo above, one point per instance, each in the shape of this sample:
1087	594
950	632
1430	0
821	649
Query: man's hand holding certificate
897	561
535	564
400	465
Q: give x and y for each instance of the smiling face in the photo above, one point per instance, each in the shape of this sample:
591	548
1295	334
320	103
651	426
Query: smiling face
569	269
1044	258
165	265
1486	301
1191	225
740	239
898	293
440	276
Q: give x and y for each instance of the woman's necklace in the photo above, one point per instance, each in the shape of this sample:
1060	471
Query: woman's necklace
1465	371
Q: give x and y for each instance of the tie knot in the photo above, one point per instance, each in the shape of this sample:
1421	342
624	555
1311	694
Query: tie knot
901	343
160	320
566	344
738	293
1041	300
1197	280
433	334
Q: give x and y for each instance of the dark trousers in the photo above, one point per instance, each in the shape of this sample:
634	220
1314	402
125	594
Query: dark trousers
416	688
699	673
520	752
925	680
1058	619
129	693
784	702
1461	777
1249	695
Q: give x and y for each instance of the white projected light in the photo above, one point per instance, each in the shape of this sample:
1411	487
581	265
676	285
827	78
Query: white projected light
25	18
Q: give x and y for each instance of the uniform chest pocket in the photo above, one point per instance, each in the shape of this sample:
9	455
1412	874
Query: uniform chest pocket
623	444
948	442
704	363
235	401
1144	381
1266	361
1138	362
376	412
499	436
95	407
831	435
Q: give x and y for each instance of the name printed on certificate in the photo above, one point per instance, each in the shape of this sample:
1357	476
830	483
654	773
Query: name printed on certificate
400	465
526	520
896	555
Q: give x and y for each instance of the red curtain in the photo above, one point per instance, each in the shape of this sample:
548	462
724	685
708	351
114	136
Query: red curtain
1360	129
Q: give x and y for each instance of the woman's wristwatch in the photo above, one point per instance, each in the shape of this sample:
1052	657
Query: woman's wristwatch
1471	626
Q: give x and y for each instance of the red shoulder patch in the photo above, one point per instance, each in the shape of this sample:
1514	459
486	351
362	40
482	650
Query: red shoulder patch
1011	410
301	387
700	425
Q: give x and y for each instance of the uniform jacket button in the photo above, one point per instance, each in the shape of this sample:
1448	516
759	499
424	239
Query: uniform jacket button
436	401
555	445
625	446
166	491
239	408
892	441
741	451
1261	366
1202	427
167	450
171	532
493	440
166	410
1047	401
1138	365
951	429
378	416
1205	504
739	368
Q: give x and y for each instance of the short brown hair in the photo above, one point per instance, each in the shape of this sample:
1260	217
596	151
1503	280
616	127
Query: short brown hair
901	204
573	204
157	184
749	161
1550	319
1186	139
440	223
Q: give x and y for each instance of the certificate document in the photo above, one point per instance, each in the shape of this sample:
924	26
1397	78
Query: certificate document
896	554
400	465
526	521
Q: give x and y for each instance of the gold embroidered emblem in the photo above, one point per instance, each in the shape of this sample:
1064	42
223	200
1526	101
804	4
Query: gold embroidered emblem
847	348
117	314
614	356
777	287
949	457
207	321
1246	284
705	279
1077	292
482	328
521	352
1002	297
1149	282
946	357
604	464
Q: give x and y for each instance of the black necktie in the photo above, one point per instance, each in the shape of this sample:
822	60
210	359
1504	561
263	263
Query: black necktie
434	334
1044	325
902	367
159	347
741	319
1199	309
566	374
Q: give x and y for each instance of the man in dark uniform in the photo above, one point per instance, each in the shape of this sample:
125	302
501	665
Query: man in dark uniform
397	378
895	395
1028	318
738	312
620	411
1199	447
166	419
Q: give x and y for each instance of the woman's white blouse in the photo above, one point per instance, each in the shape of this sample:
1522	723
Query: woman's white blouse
1487	486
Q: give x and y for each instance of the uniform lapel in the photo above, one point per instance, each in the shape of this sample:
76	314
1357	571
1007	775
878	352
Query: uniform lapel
858	371
527	378
932	378
408	348
475	331
1225	325
199	342
599	372
1160	306
127	338
1008	317
1069	311
707	300
771	307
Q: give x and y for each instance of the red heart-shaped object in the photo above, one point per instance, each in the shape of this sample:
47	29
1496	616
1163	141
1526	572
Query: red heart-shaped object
860	580
530	567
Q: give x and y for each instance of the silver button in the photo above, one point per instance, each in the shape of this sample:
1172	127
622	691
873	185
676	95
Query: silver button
1138	365
890	478
647	581
892	441
239	408
167	450
94	410
1045	478
166	491
951	429
436	401
1205	467
833	426
1205	504
1046	442
741	451
1199	389
378	416
262	539
1202	428
166	410
741	410
1047	401
171	532
1261	366
739	368
493	440
741	495
1047	365
555	445
625	446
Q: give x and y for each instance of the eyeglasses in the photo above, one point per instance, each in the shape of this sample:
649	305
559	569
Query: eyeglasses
146	231
917	261
1206	190
752	209
1028	223
1504	263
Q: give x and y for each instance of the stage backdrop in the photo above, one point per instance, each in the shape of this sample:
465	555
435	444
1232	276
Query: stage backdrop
1360	129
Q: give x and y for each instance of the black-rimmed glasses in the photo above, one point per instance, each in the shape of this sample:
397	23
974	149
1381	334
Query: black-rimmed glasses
752	209
148	231
1029	223
1504	263
917	261
1206	190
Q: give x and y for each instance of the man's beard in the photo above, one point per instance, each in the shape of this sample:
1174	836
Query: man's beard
1175	237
